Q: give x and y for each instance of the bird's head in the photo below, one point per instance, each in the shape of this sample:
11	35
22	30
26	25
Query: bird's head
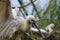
30	19
50	28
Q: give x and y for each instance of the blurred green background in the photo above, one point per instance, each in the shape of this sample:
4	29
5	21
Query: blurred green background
46	16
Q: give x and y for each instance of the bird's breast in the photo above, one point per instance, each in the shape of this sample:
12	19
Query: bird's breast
23	25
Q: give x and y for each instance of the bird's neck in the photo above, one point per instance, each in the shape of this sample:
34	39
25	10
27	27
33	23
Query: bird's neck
14	14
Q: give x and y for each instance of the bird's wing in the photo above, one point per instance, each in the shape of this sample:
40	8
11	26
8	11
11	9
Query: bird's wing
5	24
10	28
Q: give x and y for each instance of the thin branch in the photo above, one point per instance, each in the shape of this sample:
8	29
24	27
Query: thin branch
32	11
26	5
22	13
47	8
35	8
20	1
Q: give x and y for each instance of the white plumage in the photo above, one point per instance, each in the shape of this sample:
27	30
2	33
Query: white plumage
50	28
36	30
24	23
17	23
14	12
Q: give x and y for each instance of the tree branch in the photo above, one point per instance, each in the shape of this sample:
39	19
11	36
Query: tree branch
26	5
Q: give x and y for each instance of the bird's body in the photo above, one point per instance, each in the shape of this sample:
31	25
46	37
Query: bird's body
50	28
14	24
42	30
24	25
17	23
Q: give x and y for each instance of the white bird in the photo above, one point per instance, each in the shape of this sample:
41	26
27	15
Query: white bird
36	30
19	23
14	12
50	28
25	24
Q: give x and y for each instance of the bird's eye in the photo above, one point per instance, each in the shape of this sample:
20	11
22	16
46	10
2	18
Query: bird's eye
13	7
33	20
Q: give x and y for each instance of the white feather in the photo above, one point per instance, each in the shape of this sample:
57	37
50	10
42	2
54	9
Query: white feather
42	30
14	12
49	27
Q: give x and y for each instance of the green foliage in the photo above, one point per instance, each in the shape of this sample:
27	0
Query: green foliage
50	15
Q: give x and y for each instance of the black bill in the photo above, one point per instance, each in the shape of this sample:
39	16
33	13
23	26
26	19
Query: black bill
34	25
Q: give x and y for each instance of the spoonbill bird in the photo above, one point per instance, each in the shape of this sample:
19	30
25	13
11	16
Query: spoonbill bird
25	24
50	28
18	23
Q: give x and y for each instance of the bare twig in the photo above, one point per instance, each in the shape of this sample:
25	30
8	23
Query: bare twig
25	5
20	1
35	8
